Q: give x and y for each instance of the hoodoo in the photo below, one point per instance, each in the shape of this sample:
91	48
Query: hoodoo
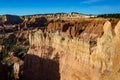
57	56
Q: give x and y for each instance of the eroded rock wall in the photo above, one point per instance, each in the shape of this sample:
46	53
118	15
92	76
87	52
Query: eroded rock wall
83	28
61	49
56	56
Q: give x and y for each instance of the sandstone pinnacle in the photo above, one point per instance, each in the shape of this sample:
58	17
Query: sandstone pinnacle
107	28
117	28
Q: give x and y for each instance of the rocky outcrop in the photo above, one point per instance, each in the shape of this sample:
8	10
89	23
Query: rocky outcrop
81	49
84	28
61	49
115	73
11	19
105	48
37	22
56	56
106	56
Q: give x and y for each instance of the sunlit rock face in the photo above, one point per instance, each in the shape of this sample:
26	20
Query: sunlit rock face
56	56
115	73
83	28
102	56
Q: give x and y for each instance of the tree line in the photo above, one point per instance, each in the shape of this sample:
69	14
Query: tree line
117	15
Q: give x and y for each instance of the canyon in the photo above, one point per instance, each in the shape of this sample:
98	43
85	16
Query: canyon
62	47
60	57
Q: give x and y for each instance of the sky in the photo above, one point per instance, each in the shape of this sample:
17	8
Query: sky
29	7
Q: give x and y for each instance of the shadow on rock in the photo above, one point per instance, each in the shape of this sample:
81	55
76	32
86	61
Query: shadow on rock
3	72
36	68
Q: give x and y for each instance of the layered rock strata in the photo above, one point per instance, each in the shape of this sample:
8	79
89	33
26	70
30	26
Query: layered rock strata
56	56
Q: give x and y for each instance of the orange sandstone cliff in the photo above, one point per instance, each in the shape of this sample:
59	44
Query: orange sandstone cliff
56	56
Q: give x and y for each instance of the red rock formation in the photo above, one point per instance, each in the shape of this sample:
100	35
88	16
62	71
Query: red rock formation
82	49
84	28
56	56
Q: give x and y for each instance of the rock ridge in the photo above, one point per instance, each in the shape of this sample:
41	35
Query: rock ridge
74	57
